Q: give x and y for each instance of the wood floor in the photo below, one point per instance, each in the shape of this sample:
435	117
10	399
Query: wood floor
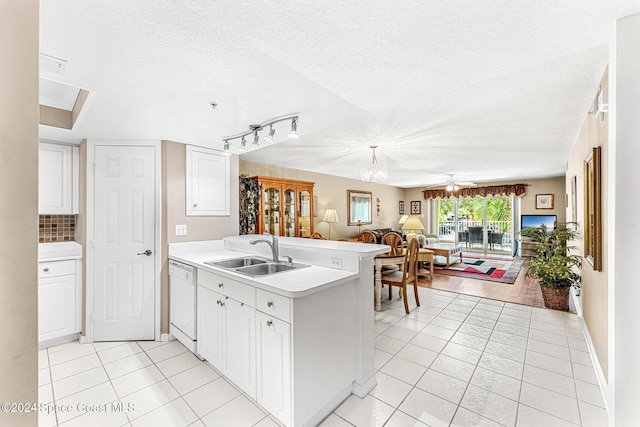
523	291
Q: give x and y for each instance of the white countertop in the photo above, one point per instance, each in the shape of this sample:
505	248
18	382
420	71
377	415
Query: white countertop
292	283
59	251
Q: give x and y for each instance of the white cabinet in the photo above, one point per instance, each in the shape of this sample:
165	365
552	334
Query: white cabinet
294	356
274	366
58	299
208	182
226	328
209	329
58	179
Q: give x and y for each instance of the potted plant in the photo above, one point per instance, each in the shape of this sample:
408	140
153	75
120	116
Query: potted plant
555	267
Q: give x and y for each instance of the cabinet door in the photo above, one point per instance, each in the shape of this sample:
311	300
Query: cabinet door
209	326
274	366
305	222
240	346
271	213
56	307
56	179
208	182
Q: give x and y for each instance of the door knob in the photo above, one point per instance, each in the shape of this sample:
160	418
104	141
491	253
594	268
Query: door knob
147	252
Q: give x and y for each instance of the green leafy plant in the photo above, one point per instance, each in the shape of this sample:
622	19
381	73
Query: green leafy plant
554	265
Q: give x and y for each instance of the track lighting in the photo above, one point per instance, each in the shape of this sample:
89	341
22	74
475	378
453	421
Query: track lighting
254	129
243	145
294	129
269	138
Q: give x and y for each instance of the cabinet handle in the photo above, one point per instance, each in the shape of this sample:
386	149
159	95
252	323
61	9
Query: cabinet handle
218	302
195	205
220	285
269	322
270	304
221	304
46	269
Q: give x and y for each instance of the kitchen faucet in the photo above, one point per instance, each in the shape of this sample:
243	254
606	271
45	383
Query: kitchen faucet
274	247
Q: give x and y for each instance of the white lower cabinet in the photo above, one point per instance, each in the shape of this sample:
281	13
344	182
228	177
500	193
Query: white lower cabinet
209	326
294	356
58	299
274	366
227	329
240	345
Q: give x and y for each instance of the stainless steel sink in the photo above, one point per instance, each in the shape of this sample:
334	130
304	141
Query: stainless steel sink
254	266
237	262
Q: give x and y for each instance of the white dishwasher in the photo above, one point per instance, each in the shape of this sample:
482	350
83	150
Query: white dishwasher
182	310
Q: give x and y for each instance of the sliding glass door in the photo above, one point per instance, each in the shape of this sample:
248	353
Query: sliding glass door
480	224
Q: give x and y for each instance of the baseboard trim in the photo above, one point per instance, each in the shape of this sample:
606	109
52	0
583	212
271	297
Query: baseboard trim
166	337
604	387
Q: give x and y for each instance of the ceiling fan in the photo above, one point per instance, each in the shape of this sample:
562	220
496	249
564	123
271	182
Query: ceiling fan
454	185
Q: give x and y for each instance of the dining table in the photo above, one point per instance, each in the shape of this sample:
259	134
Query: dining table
396	257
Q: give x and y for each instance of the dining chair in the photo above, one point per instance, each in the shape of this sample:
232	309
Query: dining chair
408	274
394	240
367	237
317	235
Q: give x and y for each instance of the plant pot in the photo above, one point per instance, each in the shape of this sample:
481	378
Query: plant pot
555	298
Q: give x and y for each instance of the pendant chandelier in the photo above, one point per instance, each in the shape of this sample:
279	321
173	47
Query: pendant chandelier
374	171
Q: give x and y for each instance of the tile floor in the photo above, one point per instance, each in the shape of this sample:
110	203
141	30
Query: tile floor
457	360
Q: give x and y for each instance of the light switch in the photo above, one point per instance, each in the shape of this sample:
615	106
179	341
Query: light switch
181	229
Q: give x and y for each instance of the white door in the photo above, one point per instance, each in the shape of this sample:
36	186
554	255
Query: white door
124	240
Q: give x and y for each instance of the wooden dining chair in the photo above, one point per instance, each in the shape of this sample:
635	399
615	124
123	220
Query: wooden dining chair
408	274
394	240
367	237
317	235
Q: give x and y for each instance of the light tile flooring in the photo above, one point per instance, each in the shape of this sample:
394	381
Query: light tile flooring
457	360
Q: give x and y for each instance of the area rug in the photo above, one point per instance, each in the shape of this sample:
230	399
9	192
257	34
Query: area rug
481	268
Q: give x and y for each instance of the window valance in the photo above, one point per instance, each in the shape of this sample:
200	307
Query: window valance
493	190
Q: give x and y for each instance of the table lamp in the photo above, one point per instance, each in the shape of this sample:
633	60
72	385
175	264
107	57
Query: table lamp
330	216
403	219
412	224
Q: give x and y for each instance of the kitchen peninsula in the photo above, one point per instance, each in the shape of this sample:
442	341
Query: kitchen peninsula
299	341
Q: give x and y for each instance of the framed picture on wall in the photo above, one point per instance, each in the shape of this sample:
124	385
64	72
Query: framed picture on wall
401	207
544	201
593	209
416	207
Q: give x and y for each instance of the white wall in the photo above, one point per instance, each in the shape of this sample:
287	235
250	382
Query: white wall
624	229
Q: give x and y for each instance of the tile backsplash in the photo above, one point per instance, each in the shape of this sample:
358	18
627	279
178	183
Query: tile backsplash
57	228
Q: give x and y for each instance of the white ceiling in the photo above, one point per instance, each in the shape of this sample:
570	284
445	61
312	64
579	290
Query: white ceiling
487	90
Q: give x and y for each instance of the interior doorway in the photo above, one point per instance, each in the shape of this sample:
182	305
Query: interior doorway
123	226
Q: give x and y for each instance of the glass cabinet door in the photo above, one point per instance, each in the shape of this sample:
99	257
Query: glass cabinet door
304	220
271	214
289	213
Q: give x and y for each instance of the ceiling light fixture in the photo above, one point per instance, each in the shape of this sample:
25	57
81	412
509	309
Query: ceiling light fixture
243	145
269	138
374	171
294	129
254	129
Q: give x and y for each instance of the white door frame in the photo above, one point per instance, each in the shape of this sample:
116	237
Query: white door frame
90	222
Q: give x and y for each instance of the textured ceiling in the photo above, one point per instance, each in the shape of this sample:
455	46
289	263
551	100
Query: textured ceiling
485	90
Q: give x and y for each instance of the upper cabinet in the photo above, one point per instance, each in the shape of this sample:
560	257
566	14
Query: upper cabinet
58	179
208	182
286	207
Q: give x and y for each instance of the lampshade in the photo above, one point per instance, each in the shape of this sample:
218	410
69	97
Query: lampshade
413	223
330	215
403	219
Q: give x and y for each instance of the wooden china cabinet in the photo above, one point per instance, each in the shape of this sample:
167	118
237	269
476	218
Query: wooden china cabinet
286	207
